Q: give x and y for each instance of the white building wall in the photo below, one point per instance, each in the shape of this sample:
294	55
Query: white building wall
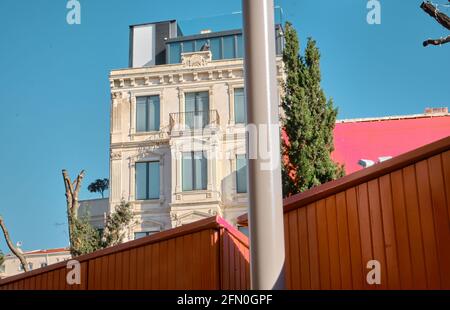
224	141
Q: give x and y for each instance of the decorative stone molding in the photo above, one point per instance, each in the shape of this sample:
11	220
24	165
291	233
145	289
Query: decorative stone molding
212	212
197	62
116	155
196	59
116	95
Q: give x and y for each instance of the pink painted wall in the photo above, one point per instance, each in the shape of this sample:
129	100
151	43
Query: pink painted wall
373	139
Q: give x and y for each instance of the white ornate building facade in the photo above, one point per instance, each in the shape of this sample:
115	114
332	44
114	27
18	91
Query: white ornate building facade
178	139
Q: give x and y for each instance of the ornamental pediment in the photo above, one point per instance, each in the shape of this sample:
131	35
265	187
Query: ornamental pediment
196	59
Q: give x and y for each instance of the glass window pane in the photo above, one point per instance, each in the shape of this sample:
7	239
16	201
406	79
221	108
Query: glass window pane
141	181
188	47
241	173
216	48
240	108
187	172
139	235
141	114
197	110
199	44
190	110
228	47
200	182
153	180
174	53
204	172
153	113
202	109
240	46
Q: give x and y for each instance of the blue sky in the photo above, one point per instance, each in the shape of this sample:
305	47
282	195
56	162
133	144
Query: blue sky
55	92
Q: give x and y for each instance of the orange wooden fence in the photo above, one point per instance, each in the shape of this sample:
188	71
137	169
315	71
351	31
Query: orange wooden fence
397	213
206	255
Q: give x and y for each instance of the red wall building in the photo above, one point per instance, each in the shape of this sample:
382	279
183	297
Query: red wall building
372	139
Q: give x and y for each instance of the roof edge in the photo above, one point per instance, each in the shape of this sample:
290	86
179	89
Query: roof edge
390	118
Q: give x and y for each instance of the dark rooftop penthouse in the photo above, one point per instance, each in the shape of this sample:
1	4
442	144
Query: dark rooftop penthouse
163	43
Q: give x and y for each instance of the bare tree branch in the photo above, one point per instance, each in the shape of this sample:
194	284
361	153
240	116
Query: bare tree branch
11	246
440	17
437	41
72	191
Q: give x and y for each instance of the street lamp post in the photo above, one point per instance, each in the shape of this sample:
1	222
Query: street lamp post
265	192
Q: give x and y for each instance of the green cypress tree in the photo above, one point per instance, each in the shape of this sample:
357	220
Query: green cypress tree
308	121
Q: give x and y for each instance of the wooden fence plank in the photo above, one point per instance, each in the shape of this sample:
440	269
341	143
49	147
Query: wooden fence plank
427	223
442	223
389	233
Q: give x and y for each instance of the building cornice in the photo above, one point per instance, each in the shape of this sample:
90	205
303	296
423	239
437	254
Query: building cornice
196	67
140	144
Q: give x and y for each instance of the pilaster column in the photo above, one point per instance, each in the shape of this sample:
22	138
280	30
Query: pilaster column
132	169
132	101
231	104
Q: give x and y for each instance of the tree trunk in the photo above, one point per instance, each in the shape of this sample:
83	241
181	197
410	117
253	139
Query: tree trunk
72	191
11	246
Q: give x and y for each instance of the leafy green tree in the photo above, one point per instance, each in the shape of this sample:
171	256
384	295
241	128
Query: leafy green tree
83	237
308	122
116	223
88	238
99	186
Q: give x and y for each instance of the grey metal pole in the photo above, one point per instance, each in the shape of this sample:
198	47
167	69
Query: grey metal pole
265	193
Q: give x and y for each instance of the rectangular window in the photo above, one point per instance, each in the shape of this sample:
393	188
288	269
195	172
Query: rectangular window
147	114
194	170
143	234
241	174
199	44
188	47
216	48
240	107
174	53
228	47
147	180
240	46
197	110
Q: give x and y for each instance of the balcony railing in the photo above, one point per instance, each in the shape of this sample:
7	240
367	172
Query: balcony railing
195	120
